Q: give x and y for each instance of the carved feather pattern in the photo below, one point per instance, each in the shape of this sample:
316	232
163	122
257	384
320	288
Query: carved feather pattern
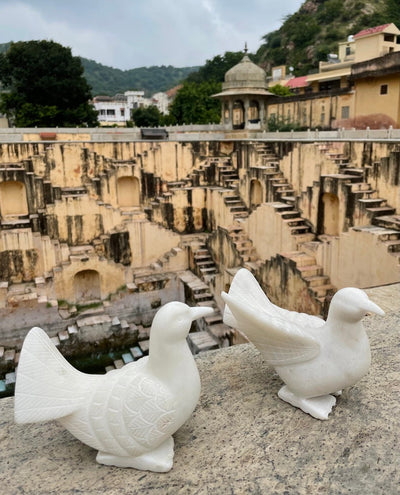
278	333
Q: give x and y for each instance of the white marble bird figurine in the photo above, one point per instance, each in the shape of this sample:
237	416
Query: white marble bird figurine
313	357
128	414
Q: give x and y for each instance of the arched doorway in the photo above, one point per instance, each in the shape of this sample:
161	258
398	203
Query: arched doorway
87	286
255	193
128	191
254	112
331	214
13	198
238	115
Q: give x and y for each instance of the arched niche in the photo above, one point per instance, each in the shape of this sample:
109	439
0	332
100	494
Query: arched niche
13	198
254	112
87	286
331	214
238	115
128	191
255	192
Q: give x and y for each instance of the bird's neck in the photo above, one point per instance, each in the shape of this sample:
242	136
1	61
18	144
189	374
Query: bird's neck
343	326
172	362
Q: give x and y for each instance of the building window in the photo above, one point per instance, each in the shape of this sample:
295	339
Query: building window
122	112
111	112
345	112
388	37
322	118
384	89
348	51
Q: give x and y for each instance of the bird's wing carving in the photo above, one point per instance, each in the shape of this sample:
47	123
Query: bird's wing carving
47	386
281	341
245	288
149	410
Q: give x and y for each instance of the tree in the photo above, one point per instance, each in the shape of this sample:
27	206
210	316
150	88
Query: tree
147	117
44	86
280	90
215	69
193	104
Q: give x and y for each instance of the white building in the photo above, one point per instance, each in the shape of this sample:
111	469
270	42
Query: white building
117	109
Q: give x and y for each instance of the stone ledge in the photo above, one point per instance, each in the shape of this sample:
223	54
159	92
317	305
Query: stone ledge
241	439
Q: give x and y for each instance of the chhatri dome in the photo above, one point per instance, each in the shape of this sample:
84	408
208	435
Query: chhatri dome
245	74
243	96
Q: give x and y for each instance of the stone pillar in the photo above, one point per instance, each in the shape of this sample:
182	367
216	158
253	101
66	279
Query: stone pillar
246	112
231	113
262	113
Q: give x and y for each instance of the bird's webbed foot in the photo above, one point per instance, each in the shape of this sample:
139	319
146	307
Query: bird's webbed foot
318	407
159	460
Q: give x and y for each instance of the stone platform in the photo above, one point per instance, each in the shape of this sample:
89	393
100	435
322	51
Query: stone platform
242	439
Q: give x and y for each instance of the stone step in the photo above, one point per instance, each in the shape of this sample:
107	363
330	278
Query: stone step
310	270
202	252
294	221
205	264
299	229
213	319
393	246
316	280
281	207
237	209
371	202
285	191
381	210
321	290
240	214
206	270
300	258
388	221
201	341
204	296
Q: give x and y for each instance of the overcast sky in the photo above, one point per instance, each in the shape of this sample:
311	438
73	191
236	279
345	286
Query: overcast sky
134	33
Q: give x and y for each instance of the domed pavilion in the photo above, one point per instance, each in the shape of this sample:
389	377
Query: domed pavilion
244	95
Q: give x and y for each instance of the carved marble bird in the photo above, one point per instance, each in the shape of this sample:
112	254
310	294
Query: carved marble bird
129	414
314	358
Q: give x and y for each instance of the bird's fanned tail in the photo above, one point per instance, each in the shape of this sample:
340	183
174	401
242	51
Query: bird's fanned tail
245	288
47	386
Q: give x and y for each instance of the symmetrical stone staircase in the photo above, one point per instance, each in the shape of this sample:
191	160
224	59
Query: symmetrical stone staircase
203	264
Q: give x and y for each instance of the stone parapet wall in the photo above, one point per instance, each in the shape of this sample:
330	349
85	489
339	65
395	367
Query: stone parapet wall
241	438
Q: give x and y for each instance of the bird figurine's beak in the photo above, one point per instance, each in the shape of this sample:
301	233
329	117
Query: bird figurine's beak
371	307
200	311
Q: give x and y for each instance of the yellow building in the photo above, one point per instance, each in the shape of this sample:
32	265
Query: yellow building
351	89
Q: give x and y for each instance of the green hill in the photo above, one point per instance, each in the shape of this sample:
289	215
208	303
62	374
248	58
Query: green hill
109	81
307	36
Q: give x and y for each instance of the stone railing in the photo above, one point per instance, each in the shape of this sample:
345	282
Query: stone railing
210	132
241	438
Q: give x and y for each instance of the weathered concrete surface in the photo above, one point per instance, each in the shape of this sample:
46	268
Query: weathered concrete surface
241	439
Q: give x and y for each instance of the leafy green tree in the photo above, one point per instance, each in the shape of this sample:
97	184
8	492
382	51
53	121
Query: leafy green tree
280	90
147	117
215	69
193	104
44	86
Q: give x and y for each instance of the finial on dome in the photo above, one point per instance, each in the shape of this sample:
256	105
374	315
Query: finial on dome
245	48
